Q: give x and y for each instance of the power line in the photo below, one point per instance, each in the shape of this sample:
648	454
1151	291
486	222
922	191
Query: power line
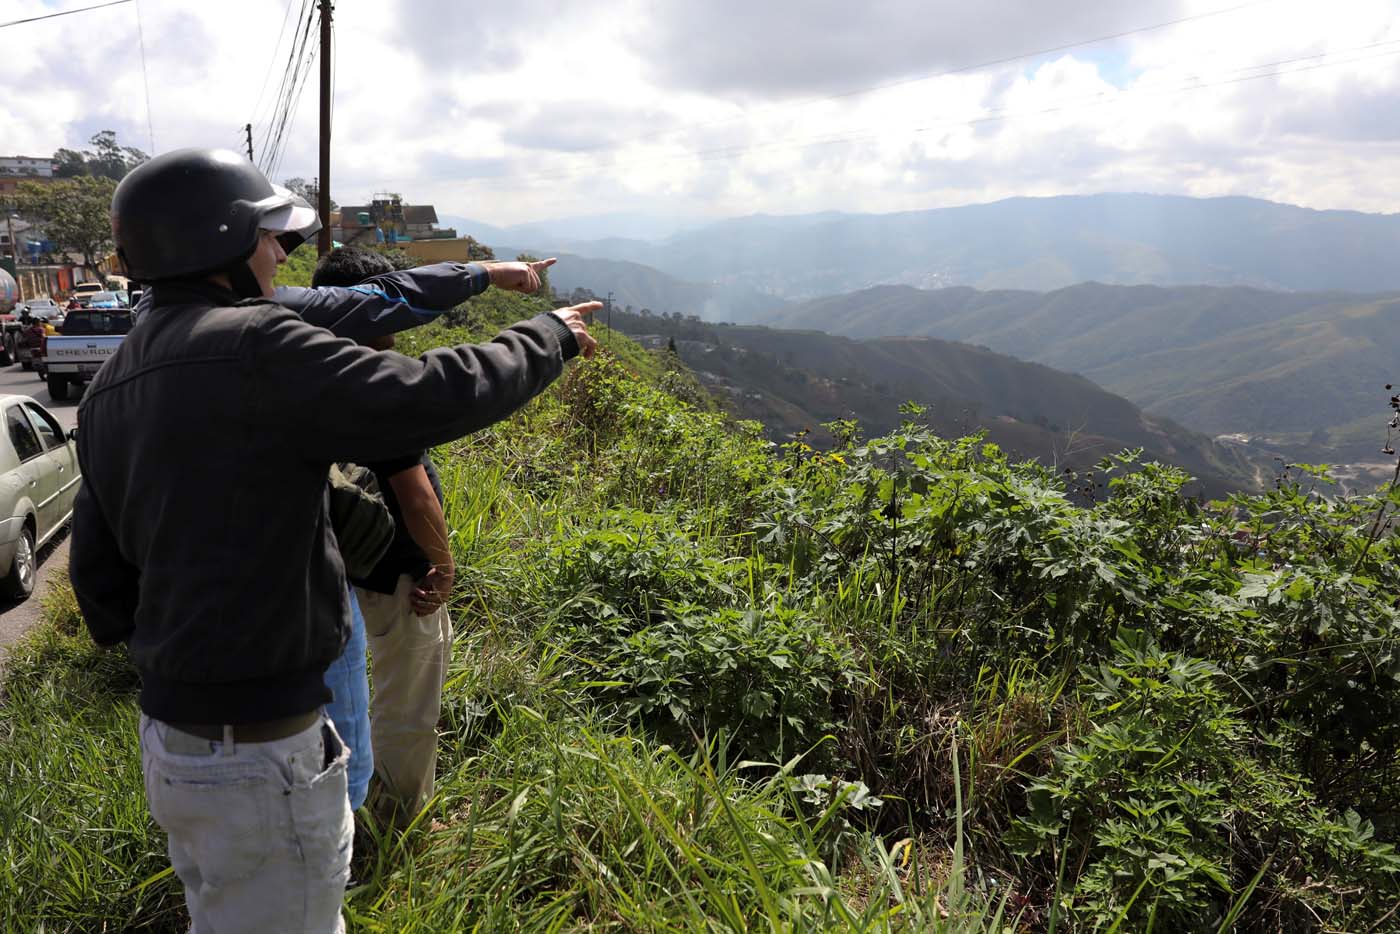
294	106
1277	69
277	47
961	69
294	54
35	19
145	78
288	80
306	56
303	53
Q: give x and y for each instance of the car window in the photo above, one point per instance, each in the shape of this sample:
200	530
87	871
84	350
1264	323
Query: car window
50	432
97	322
21	434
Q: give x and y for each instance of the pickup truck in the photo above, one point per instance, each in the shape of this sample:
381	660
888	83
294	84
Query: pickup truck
89	337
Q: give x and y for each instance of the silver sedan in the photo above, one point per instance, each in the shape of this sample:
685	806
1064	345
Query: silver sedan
39	479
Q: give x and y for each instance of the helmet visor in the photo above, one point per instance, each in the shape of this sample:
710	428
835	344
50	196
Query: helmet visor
290	217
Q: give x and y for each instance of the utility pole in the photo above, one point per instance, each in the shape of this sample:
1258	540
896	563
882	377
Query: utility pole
323	240
14	251
248	131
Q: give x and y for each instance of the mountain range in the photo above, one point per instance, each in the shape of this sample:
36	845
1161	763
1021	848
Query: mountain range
1231	316
1038	244
1304	369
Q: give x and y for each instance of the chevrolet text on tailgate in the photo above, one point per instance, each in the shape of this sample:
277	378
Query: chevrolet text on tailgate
89	337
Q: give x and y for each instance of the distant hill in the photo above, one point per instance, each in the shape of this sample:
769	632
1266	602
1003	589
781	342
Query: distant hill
795	380
644	287
466	227
1027	243
1307	368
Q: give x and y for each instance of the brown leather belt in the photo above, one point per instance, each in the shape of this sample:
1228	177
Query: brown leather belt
264	731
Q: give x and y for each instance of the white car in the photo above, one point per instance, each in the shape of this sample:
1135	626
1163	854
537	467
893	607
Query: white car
39	478
40	308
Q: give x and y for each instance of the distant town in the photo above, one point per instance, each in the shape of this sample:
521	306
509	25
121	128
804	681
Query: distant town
49	263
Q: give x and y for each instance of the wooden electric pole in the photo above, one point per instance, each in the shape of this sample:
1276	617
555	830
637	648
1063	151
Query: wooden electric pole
323	241
248	132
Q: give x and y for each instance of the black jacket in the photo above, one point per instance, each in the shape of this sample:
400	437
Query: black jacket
201	535
382	304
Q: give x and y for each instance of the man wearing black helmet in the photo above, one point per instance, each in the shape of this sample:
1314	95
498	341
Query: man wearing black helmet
201	537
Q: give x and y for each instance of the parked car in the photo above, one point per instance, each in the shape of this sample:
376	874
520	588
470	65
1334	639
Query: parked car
89	337
39	478
41	308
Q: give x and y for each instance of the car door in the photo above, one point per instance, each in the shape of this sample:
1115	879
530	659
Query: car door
61	460
40	486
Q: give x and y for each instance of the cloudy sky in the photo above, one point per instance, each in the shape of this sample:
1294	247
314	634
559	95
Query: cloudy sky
532	109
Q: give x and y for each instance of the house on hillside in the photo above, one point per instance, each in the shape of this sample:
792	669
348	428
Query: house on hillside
387	219
17	169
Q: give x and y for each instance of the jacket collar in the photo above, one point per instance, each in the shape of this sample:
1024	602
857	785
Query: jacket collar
191	292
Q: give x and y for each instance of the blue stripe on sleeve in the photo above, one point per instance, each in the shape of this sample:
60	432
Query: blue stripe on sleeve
393	299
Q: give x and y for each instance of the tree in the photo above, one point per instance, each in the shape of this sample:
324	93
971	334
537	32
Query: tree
299	186
70	163
75	213
478	251
106	159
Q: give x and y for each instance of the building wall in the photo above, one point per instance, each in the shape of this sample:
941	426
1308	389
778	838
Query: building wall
437	251
41	281
26	166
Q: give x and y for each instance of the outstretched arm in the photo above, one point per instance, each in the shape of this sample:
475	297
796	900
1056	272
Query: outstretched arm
397	301
323	391
387	303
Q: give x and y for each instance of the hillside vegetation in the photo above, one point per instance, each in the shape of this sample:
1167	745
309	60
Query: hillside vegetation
795	381
1304	368
706	683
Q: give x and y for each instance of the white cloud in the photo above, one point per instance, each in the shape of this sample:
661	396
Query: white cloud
513	112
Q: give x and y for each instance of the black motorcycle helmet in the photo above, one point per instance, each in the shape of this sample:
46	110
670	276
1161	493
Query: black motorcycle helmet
194	212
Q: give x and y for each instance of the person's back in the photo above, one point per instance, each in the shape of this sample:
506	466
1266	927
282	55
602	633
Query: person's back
201	536
208	486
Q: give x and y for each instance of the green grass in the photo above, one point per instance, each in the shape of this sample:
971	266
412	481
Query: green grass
702	683
541	823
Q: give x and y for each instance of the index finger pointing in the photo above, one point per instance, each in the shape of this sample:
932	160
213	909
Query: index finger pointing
545	263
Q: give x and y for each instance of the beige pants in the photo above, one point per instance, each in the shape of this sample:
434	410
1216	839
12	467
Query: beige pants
410	656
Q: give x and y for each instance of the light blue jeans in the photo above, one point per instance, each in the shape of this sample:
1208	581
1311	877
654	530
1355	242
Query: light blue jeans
259	833
348	680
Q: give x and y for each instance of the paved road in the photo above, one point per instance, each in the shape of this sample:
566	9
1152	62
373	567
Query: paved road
15	379
17	618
